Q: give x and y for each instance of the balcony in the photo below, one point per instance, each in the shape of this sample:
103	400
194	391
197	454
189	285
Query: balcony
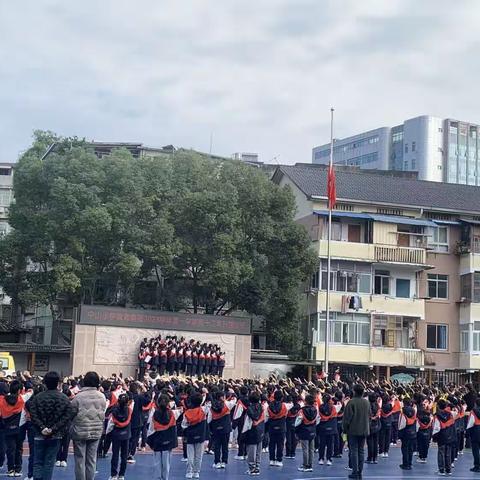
469	312
347	250
380	304
367	355
469	262
396	254
469	362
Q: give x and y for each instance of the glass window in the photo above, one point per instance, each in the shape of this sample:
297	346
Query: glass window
382	282
414	164
5	171
476	287
348	277
406	148
5	196
336	231
466	286
402	288
438	239
464	341
437	337
437	286
414	146
348	329
314	282
476	341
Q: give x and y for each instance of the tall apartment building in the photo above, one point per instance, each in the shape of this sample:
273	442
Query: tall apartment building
405	271
438	150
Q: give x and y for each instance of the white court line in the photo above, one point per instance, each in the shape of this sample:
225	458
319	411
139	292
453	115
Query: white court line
382	477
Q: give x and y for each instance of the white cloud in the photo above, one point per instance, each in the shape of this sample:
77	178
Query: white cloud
260	74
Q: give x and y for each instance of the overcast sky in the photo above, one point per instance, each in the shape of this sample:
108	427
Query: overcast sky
260	74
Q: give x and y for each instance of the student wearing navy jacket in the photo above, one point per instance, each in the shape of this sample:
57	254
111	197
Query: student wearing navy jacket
221	363
220	423
194	424
326	430
277	426
473	429
372	439
444	435
386	419
424	433
162	436
139	401
254	429
291	438
119	425
407	431
11	408
305	427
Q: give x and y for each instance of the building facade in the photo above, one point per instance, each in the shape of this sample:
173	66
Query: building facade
405	272
438	150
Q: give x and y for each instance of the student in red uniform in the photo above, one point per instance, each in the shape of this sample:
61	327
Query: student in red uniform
424	433
372	439
254	429
473	428
407	431
444	435
305	427
220	423
119	426
326	430
277	413
11	408
194	424
291	438
162	436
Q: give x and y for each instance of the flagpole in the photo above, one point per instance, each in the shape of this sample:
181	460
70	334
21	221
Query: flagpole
329	236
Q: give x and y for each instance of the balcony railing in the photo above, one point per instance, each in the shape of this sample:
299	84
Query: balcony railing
393	253
413	358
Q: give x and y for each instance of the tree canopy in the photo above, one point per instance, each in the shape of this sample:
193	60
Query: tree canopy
176	232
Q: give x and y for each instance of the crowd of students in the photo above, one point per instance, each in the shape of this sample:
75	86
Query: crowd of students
211	414
172	355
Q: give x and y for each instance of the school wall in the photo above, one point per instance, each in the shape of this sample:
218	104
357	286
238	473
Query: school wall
108	349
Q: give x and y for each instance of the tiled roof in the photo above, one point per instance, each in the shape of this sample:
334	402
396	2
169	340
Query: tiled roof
382	188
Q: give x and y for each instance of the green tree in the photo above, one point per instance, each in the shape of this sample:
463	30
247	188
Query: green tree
213	235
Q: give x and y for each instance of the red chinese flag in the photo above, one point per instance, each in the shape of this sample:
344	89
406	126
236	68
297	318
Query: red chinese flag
331	188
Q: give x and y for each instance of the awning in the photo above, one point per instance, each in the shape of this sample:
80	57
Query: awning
357	215
447	222
420	222
468	220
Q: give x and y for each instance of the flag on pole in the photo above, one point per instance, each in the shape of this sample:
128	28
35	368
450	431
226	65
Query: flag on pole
331	188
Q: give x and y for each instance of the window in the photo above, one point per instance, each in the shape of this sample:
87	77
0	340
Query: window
414	145
336	231
438	239
405	164
437	337
348	329
5	197
437	286
348	277
314	281
397	137
5	171
464	341
406	148
382	282
414	164
402	288
394	331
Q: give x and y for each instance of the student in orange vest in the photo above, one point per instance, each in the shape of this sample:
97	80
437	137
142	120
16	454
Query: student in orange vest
424	433
277	413
444	435
220	423
162	435
407	430
473	428
386	418
305	427
119	426
372	439
11	408
194	424
326	430
254	429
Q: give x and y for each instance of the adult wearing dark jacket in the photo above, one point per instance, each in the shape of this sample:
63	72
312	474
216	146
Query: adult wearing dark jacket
51	415
356	424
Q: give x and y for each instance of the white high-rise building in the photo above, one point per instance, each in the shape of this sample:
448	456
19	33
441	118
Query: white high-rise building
439	150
